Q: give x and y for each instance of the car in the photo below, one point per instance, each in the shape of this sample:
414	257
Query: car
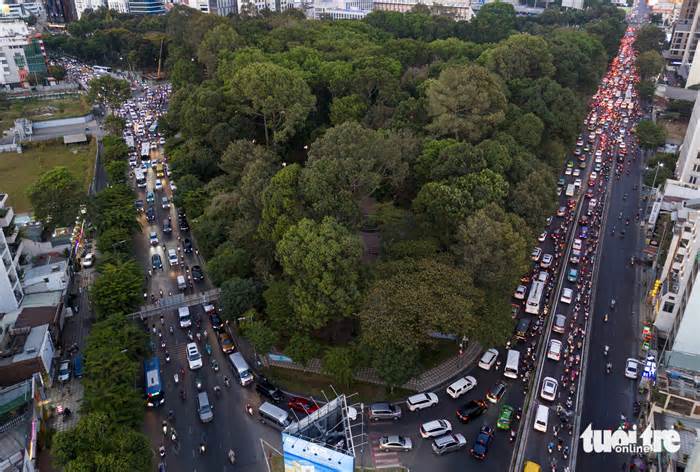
172	257
561	211
535	254
216	323
505	417
384	411
156	262
449	443
488	359
631	368
267	389
167	226
395	443
470	410
159	184
567	171
572	275
435	428
578	244
520	292
549	389
194	358
579	141
593	176
302	405
421	401
567	296
153	238
559	325
549	220
187	246
583	234
88	260
226	343
514	310
150	197
480	449
150	214
461	386
164	202
138	204
554	351
589	193
522	328
598	167
570	164
575	256
64	371
561	182
496	392
576	173
577	183
546	261
542	237
184	226
197	273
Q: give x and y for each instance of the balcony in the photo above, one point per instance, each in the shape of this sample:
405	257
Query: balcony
6	216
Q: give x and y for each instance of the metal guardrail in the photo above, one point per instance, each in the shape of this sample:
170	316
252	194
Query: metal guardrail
175	301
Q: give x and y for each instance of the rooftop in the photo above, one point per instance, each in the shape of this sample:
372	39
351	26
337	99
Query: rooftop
42	299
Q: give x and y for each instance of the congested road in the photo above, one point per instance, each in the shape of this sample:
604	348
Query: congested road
552	418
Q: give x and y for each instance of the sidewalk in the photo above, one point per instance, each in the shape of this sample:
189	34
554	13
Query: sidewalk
425	381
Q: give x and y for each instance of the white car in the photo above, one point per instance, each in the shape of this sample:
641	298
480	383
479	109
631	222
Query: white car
88	260
554	351
435	428
542	237
520	292
159	184
172	257
577	182
421	401
567	171
547	260
488	359
153	238
64	371
461	386
194	358
576	173
631	368
578	244
549	389
536	253
567	296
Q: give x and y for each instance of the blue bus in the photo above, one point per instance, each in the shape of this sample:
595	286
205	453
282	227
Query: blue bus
154	393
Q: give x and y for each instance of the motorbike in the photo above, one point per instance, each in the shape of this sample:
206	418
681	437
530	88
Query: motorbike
608	367
214	365
612	304
227	381
207	348
605	317
165	428
249	409
550	447
231	456
173	435
202	448
167	357
183	397
513	435
217	390
172	331
189	335
198	384
605	350
161	451
176	378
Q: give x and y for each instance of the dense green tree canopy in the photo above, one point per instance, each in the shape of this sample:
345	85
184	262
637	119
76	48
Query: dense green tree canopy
56	197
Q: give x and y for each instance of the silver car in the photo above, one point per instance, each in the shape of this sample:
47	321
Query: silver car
395	443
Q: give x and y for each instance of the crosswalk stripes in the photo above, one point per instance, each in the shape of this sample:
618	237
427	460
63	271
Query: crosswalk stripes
383	459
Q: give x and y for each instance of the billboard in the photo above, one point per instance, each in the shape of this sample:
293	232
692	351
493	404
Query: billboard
578	4
301	455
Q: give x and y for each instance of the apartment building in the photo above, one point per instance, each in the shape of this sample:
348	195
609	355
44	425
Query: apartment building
21	53
146	7
684	39
340	9
457	9
11	293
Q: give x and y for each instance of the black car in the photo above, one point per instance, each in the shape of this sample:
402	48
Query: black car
156	262
184	226
150	214
197	273
216	323
180	213
187	246
265	388
167	226
139	205
471	410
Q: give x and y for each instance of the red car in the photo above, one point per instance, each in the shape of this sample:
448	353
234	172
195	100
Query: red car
302	405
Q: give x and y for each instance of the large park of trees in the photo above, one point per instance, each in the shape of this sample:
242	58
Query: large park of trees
358	185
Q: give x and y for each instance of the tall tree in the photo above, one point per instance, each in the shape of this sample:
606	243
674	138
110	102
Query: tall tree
283	204
221	38
649	38
322	261
520	55
650	134
650	64
56	197
117	289
465	102
109	91
494	22
276	95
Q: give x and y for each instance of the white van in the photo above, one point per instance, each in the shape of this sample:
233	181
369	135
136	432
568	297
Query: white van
512	364
240	366
541	418
183	315
204	408
274	415
181	283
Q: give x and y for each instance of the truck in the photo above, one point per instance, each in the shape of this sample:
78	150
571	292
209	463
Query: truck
570	190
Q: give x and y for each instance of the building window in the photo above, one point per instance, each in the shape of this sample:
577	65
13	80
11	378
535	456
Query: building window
668	307
693	180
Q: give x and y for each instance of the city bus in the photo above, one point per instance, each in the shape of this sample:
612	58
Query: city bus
154	392
535	298
160	173
101	69
140	178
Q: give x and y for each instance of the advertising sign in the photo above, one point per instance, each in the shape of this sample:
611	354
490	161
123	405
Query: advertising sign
305	456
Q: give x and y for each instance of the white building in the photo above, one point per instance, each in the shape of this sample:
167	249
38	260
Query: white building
200	5
11	293
13	39
249	6
82	5
122	6
457	9
688	166
340	9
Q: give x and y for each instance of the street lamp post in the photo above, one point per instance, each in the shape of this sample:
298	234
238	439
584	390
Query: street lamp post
656	174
